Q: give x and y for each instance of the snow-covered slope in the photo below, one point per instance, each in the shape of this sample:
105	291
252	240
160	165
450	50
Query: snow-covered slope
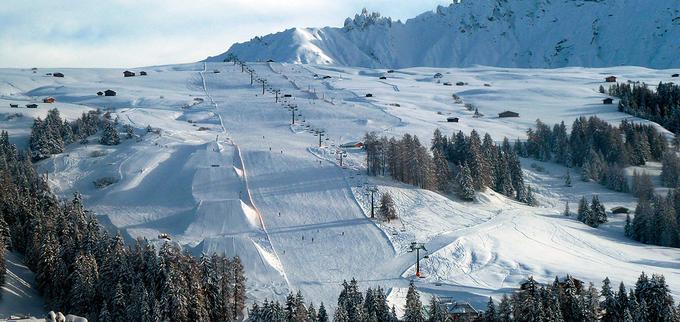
251	184
510	33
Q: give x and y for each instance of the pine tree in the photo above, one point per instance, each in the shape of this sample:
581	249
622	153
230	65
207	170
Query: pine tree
609	305
414	308
387	208
466	189
490	314
239	287
583	212
322	316
597	215
341	315
530	199
567	212
567	179
110	134
505	309
435	311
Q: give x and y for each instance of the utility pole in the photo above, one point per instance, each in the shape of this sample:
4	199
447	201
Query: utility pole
292	111
372	190
342	154
277	95
320	135
251	78
417	247
263	83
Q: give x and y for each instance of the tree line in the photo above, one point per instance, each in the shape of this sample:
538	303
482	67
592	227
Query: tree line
462	164
661	106
81	269
51	135
600	149
564	300
656	220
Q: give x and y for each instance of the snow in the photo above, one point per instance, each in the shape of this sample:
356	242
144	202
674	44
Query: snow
253	185
515	33
19	294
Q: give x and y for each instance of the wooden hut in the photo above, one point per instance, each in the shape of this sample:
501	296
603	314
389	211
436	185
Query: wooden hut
675	75
452	119
109	92
48	100
58	75
508	114
610	79
13	105
31	105
128	73
608	101
100	93
620	210
142	73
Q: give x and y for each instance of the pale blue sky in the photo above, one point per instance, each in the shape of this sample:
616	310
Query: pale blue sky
128	33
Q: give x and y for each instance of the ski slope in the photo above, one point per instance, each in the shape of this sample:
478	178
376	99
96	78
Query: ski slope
228	172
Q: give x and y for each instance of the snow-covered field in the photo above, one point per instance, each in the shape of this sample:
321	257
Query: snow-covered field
249	183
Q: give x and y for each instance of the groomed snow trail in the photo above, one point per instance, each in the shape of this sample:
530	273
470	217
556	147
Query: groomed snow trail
314	223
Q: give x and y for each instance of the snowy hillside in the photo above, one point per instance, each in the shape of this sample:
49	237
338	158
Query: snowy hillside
227	172
509	33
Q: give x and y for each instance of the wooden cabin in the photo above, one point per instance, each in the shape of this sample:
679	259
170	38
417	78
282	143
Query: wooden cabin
383	77
109	92
460	84
447	84
508	114
620	210
142	73
13	105
675	75
610	79
438	75
128	73
270	61
58	75
452	119
369	95
49	100
100	93
31	105
390	71
608	101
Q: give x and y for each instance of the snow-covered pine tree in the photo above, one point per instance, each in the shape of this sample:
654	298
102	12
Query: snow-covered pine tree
609	306
110	134
466	189
436	313
322	315
598	214
387	209
239	287
566	212
414	308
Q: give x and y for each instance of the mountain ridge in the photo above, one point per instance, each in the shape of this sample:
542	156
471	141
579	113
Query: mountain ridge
503	33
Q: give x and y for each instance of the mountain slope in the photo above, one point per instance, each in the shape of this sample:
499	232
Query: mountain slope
508	33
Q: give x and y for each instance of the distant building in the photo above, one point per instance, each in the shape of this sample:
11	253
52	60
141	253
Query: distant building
48	100
458	311
608	101
452	119
31	105
326	77
142	73
675	75
128	73
100	93
438	75
610	79
460	84
109	92
369	95
383	77
58	75
14	105
508	114
620	210
447	84
270	61
352	145
391	71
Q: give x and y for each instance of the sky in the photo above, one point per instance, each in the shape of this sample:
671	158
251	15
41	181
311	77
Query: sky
133	33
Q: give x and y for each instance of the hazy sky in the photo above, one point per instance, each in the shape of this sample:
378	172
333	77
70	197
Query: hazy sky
129	33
